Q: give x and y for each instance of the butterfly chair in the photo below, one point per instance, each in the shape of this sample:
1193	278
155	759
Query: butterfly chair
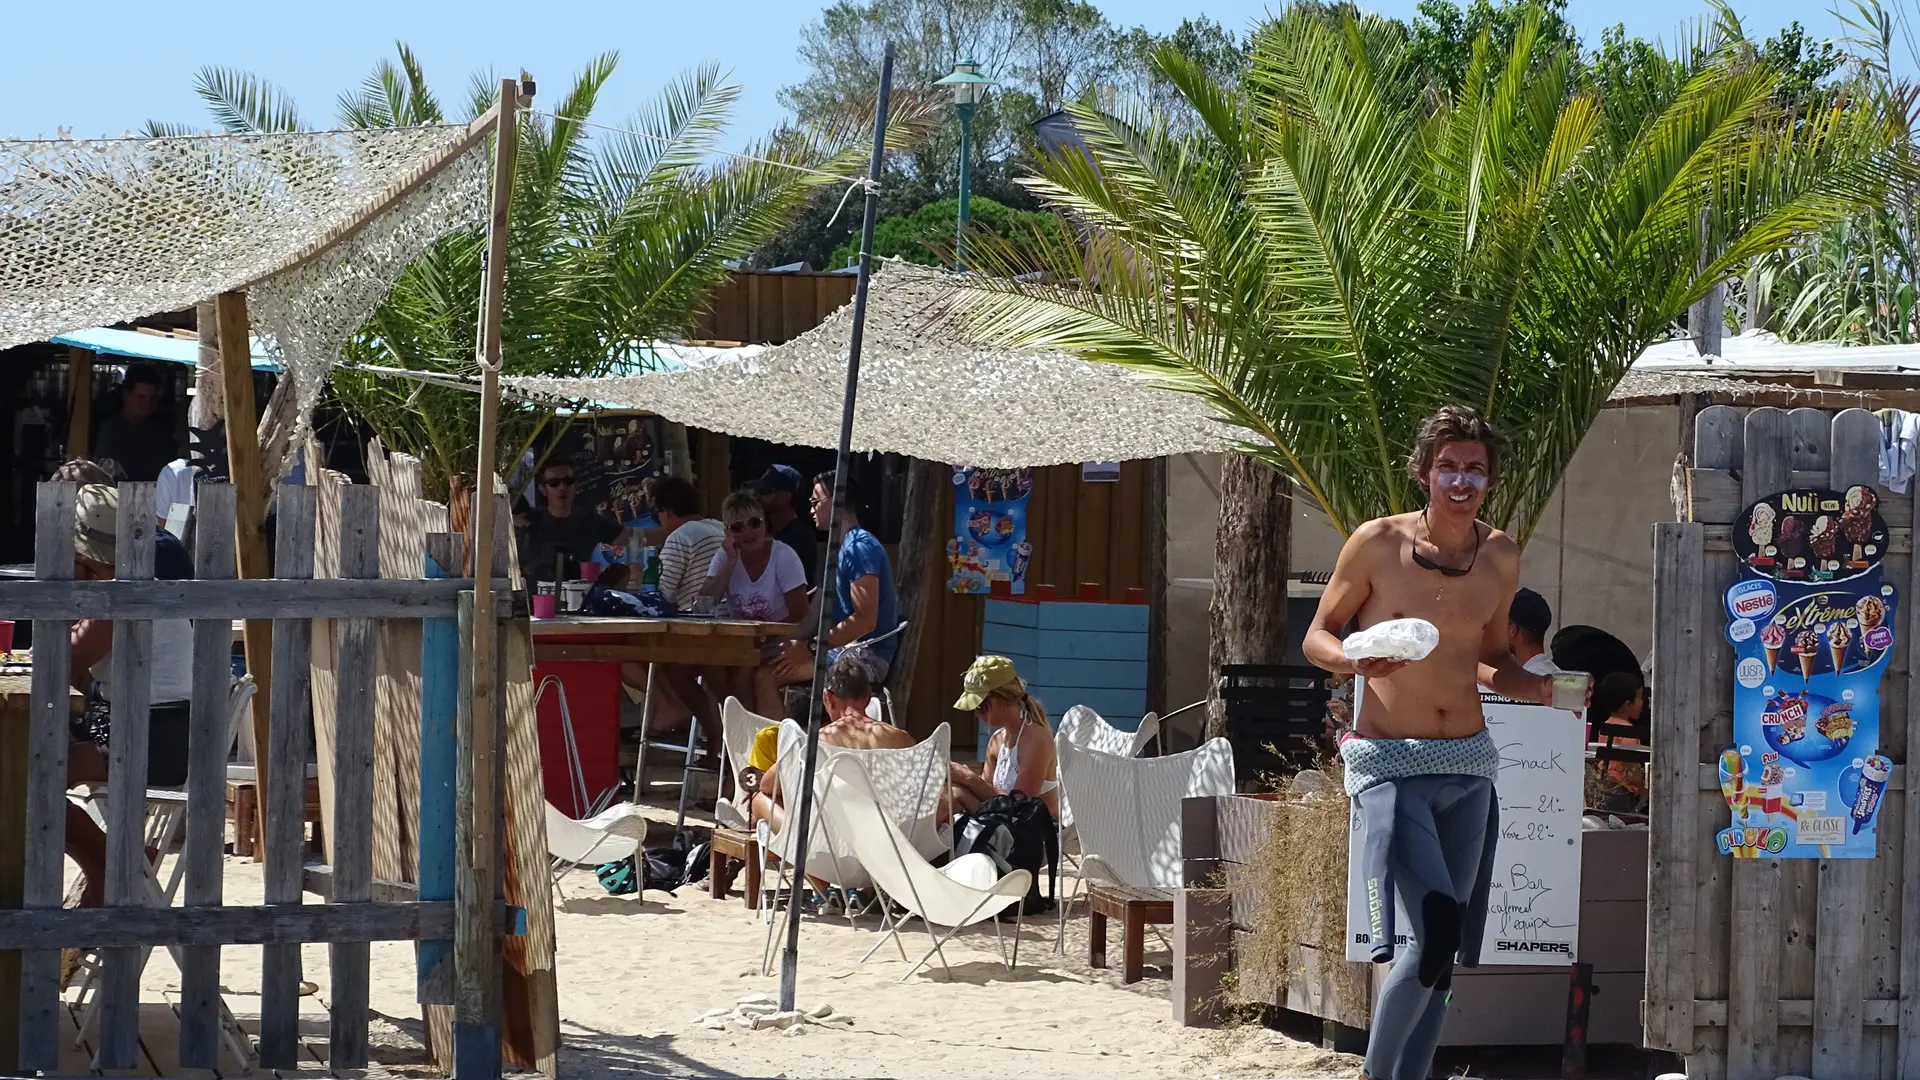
966	891
911	783
1084	727
1130	808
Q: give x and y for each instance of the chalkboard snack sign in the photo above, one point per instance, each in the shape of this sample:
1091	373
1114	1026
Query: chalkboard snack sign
1811	623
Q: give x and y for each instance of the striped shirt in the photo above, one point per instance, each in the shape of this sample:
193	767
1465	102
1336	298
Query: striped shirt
684	559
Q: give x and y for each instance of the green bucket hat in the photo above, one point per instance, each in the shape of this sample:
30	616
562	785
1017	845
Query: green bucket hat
988	673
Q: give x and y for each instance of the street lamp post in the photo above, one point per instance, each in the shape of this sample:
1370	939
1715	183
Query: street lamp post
969	89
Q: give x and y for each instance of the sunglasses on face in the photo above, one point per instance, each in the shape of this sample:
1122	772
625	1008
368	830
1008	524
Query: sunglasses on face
744	524
1477	481
560	481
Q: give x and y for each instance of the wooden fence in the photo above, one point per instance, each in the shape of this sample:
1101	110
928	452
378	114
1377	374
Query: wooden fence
360	910
1762	967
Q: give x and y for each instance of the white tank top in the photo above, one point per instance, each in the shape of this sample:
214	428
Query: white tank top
172	663
1006	768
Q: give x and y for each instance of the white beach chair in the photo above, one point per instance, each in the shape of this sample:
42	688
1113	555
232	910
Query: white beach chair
966	891
738	727
609	836
1082	726
1129	808
911	783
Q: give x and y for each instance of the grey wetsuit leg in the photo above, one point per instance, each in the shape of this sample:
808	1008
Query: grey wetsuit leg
1439	831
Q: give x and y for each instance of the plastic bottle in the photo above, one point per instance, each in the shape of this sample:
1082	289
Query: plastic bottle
651	575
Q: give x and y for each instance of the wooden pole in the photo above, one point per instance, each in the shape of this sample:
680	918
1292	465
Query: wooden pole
476	998
249	517
922	556
79	402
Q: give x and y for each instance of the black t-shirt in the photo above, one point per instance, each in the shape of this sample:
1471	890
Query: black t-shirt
799	535
141	449
578	535
170	559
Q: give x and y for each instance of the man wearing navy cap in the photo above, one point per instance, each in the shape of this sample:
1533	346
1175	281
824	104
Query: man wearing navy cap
779	489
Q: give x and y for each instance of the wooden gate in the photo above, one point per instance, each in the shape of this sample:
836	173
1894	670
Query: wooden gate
134	920
1762	967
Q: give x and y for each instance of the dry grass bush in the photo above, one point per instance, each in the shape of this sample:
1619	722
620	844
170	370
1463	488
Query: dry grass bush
1293	889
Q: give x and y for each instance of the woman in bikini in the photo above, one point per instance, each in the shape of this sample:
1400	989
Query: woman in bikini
1020	755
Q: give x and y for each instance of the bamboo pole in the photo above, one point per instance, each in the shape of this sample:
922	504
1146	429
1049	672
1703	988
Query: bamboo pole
476	996
249	517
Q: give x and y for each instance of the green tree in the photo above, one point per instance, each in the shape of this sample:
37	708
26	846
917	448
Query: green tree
926	236
615	239
1335	256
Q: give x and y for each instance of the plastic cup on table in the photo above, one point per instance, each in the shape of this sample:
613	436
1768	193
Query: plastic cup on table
6	635
545	605
589	571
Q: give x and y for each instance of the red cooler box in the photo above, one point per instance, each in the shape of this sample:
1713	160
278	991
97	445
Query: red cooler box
593	701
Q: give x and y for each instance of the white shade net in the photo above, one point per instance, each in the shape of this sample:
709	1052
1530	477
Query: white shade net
925	392
316	226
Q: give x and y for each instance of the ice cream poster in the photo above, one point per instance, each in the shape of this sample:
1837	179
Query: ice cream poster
989	530
1811	621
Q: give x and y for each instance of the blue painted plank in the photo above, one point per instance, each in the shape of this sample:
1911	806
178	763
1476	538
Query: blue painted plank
1124	618
1009	613
1063	671
1009	640
1103	700
439	682
1089	645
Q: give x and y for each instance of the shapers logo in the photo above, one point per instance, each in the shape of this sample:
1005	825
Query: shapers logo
1752	599
1557	947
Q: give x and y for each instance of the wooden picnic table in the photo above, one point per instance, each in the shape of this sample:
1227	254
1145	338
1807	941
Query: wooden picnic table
721	642
16	705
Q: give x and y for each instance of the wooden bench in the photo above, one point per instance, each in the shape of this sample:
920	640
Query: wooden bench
730	850
1136	909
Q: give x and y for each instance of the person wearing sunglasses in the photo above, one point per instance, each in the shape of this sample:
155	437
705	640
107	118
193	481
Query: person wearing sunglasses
1420	765
566	530
762	579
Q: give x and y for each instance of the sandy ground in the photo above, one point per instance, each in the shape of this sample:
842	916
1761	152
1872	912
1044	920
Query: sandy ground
637	973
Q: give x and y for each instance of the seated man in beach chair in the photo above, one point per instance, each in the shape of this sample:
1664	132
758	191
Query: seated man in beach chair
848	726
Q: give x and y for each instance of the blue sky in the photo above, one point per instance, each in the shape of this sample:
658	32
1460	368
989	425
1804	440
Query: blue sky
101	67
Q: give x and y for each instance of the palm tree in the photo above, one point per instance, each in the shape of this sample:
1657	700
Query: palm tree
616	239
1342	249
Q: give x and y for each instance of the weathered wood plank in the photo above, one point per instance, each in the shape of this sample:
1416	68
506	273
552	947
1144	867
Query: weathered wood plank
207	744
275	926
285	795
532	1037
275	598
1717	438
359	557
1908	1048
1753	1033
131	696
1840	963
397	732
1716	498
1809	464
1679	565
1799	1012
322	658
317	880
1713	876
48	736
440	681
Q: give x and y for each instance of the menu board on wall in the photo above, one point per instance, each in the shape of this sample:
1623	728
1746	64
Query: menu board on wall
1811	622
1533	905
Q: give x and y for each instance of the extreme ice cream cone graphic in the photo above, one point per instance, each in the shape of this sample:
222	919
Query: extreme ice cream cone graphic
1774	639
1806	645
1871	612
1837	641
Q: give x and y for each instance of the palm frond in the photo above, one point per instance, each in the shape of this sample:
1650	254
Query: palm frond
245	104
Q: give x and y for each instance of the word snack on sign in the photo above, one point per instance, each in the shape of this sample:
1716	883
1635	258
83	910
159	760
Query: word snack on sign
1811	622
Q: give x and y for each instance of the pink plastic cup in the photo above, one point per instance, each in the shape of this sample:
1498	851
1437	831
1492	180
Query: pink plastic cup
545	606
6	635
589	571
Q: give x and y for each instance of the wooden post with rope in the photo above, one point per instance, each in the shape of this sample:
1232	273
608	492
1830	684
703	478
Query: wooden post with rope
476	1036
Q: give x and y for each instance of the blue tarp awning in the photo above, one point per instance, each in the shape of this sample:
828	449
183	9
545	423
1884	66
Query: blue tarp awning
141	346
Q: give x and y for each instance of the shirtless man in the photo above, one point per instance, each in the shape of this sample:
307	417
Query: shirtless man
849	688
1420	764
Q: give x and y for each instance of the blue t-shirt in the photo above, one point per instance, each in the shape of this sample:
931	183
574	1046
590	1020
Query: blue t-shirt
860	555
